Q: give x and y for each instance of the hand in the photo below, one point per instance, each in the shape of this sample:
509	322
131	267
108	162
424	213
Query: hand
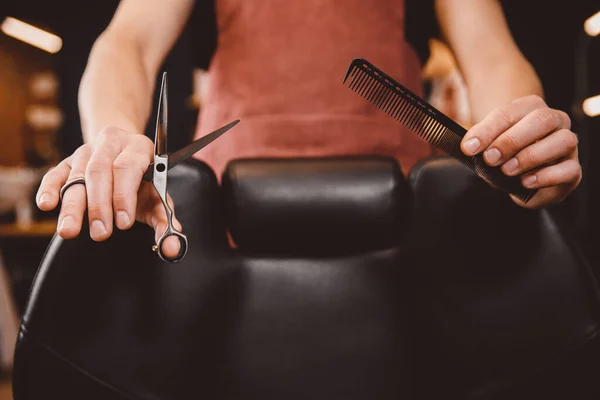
113	166
527	137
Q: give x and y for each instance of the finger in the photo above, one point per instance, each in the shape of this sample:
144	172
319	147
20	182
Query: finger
48	193
481	135
128	170
533	127
567	173
99	184
557	145
74	198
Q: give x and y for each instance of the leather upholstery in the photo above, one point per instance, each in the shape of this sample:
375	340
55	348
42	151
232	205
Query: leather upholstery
501	292
218	325
306	207
479	300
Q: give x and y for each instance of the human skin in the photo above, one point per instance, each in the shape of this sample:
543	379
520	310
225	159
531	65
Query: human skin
513	125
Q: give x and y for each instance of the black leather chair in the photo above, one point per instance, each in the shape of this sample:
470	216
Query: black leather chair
346	282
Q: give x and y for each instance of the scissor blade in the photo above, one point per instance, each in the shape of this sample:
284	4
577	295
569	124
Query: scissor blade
183	154
160	136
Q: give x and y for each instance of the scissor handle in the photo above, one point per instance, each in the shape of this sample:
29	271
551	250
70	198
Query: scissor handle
183	243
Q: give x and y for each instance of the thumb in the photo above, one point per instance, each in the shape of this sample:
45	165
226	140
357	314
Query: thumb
152	212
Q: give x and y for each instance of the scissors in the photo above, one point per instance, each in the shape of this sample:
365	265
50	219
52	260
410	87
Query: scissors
157	171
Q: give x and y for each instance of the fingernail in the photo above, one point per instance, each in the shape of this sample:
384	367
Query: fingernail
529	180
511	165
66	223
472	145
492	156
123	219
98	228
44	198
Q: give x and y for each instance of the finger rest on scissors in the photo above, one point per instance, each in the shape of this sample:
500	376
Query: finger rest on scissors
183	246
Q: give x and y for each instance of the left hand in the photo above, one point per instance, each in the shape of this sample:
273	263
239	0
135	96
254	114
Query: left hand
527	137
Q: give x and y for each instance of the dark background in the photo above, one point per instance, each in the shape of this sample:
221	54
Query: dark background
546	31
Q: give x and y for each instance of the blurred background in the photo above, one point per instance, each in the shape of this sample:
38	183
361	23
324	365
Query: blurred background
43	52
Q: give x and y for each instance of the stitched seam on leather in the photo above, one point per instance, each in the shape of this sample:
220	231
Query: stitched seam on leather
73	365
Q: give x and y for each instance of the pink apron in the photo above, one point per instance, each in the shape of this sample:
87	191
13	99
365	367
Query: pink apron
278	67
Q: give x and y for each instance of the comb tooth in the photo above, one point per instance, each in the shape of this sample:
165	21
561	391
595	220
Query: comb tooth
431	127
440	135
356	81
384	98
390	105
425	124
363	85
377	95
394	105
410	117
391	101
401	110
360	82
351	70
419	122
413	120
444	140
437	129
371	89
425	127
353	76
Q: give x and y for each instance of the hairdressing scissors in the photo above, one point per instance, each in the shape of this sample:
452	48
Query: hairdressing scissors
157	171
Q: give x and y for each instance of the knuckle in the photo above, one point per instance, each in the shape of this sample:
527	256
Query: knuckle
109	132
97	166
512	141
535	99
124	163
83	150
527	156
545	118
569	140
504	116
563	116
121	200
70	205
144	142
95	208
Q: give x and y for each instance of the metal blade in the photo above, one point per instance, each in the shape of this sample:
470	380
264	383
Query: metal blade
160	136
191	149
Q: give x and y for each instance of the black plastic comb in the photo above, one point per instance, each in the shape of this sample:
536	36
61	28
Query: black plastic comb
429	123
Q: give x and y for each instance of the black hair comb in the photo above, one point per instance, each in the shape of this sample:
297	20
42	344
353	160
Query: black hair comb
426	121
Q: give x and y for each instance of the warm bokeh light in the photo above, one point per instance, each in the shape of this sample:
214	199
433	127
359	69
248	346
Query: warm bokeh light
591	106
592	25
31	35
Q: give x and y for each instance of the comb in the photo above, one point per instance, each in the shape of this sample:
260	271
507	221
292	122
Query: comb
426	121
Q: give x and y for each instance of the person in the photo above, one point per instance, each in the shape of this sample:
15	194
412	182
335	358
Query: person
278	67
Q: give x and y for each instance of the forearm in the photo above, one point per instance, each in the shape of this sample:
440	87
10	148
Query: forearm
116	87
500	84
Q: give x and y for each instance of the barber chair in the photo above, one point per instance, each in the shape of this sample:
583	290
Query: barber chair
346	281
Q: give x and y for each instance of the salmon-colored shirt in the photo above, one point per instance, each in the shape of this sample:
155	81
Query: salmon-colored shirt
279	66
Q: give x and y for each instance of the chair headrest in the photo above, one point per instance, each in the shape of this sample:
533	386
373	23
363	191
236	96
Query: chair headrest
310	207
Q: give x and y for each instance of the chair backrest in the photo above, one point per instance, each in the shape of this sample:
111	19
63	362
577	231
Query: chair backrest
110	321
502	293
345	282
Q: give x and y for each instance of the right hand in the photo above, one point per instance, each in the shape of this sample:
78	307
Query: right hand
113	166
